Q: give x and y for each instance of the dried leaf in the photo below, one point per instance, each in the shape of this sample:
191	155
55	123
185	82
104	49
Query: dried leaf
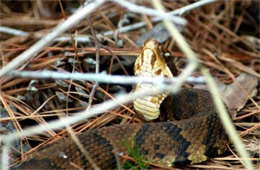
234	97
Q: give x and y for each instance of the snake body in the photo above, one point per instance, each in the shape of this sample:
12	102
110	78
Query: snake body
194	135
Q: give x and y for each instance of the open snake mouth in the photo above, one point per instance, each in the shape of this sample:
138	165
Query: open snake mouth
150	63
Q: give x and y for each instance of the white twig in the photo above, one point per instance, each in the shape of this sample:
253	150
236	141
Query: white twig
79	38
179	11
101	77
67	24
149	11
97	44
5	158
13	31
188	8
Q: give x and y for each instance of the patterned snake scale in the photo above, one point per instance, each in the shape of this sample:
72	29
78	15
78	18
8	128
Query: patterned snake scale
193	135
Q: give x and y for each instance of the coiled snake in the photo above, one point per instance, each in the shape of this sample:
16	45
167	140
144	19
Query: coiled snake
194	135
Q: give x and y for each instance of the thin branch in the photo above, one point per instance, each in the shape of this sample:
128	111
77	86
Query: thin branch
67	24
13	31
149	11
5	152
179	11
102	77
17	32
97	44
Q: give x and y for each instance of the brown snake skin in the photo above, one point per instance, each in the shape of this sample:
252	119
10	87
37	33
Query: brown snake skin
195	134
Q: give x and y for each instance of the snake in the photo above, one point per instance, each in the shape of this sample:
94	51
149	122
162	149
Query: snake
189	130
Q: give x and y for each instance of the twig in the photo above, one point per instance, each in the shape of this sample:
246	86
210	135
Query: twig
13	31
63	38
144	10
101	77
179	11
67	24
257	126
5	152
97	44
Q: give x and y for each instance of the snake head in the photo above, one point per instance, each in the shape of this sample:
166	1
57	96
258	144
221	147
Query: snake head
150	63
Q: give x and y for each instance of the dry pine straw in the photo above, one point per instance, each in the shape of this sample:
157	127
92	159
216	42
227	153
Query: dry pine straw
214	32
